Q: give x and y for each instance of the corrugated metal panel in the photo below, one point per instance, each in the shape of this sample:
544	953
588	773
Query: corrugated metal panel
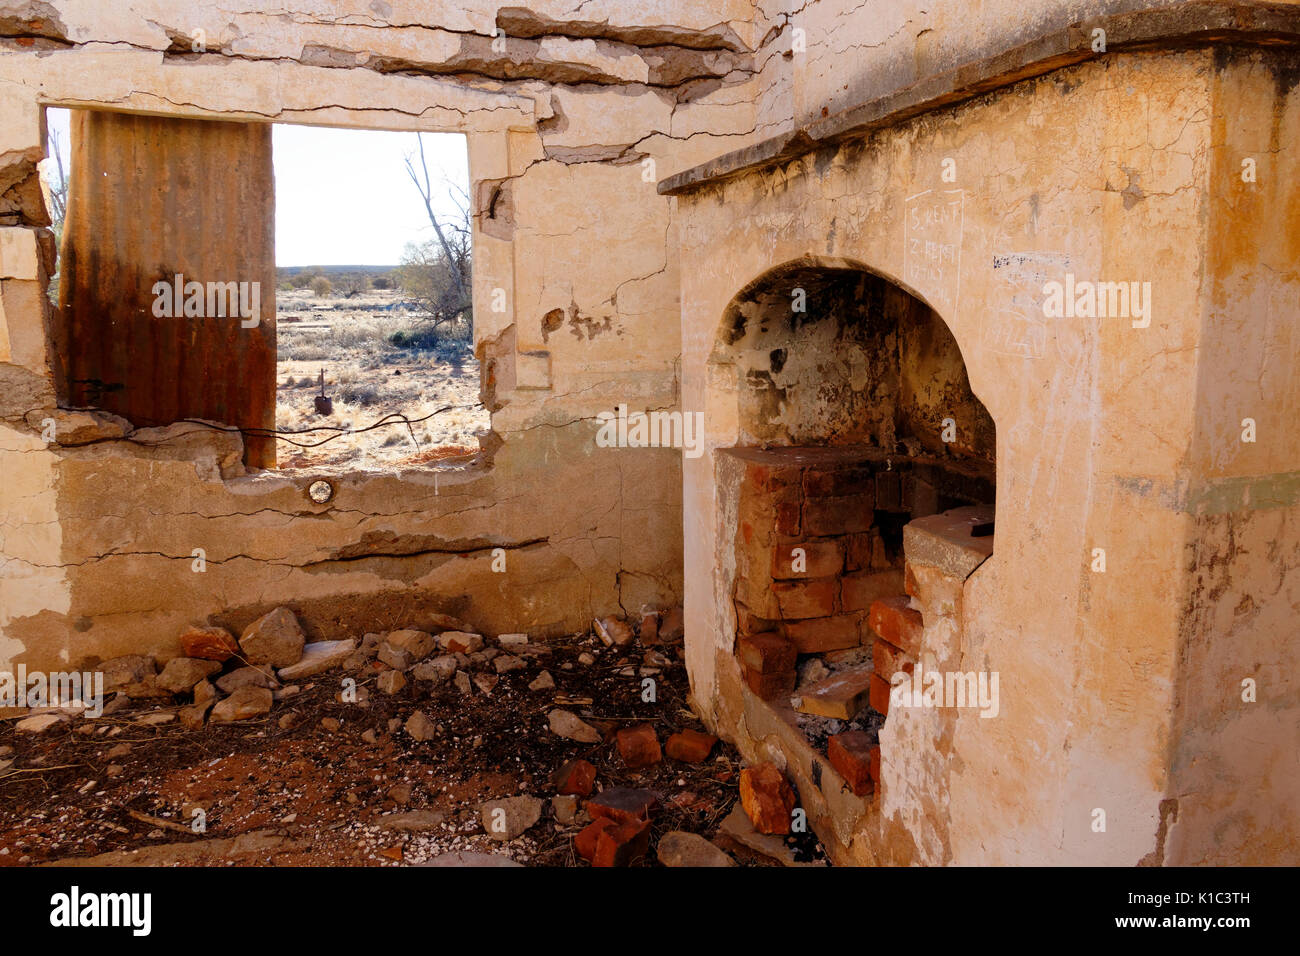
150	198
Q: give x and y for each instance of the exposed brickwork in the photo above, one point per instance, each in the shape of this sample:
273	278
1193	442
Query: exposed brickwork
894	620
879	696
888	660
850	755
826	633
766	653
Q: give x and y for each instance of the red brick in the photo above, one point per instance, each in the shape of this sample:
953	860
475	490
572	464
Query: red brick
622	844
209	643
765	511
859	591
690	746
839	481
770	686
754	543
766	653
584	842
892	619
850	755
858	549
889	491
758	596
840	696
672	626
799	600
639	746
879	699
821	559
767	798
623	803
577	777
649	633
831	516
873	765
770	480
823	634
747	622
788	519
887	660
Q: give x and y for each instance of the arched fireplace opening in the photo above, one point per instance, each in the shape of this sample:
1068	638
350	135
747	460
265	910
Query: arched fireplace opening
857	429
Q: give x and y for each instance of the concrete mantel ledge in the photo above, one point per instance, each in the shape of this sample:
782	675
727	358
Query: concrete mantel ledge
1182	26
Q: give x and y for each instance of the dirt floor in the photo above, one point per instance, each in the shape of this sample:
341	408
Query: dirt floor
294	788
369	379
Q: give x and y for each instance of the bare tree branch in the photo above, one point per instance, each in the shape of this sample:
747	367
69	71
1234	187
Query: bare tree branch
426	193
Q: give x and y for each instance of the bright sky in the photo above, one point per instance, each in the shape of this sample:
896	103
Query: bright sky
343	197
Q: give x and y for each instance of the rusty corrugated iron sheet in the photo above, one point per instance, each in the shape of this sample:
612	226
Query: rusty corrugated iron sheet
152	198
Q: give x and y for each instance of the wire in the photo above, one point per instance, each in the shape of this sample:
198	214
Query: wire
392	418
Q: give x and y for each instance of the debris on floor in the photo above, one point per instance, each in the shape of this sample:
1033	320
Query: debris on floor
438	747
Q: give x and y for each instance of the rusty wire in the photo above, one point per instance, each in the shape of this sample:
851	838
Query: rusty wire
392	418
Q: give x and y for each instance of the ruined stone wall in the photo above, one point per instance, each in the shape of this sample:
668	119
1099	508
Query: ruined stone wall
571	119
1120	690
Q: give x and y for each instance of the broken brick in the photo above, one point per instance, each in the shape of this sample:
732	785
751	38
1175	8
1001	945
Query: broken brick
766	653
850	755
649	628
672	626
887	660
804	599
639	746
209	643
623	803
879	696
690	746
895	621
460	642
576	777
840	696
769	686
822	634
613	632
622	844
584	841
767	798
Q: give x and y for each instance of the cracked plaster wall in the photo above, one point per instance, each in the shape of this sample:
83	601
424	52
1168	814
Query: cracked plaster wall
1099	167
571	116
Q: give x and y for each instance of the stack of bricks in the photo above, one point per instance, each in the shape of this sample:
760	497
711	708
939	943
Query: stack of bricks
810	560
897	645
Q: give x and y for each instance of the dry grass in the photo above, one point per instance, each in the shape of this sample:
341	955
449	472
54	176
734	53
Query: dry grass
368	379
